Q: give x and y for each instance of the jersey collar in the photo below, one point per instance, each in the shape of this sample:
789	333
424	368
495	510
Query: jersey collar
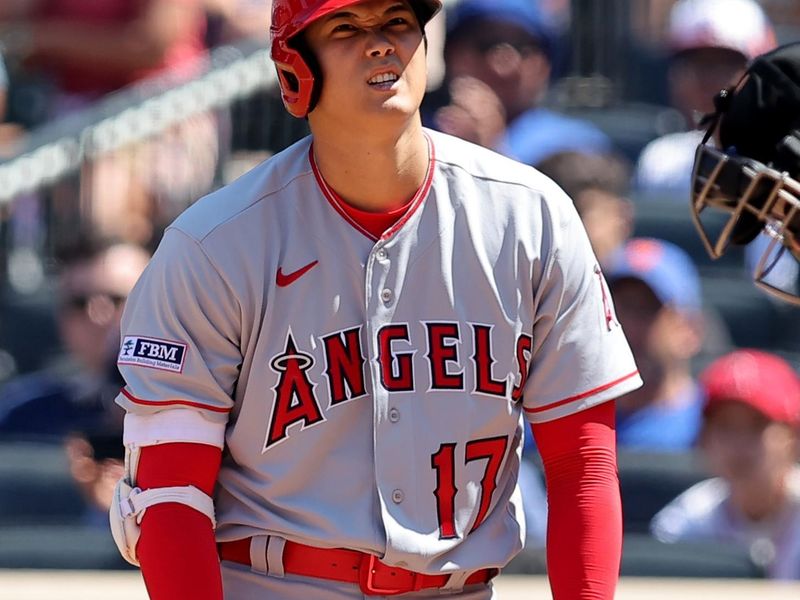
339	204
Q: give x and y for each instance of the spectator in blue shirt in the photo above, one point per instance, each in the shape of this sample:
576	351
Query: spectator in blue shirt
93	283
656	290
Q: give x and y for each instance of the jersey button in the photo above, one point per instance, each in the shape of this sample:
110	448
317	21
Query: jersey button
398	496
386	295
394	415
382	254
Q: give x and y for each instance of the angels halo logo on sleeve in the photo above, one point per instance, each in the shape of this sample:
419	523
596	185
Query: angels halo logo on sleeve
154	353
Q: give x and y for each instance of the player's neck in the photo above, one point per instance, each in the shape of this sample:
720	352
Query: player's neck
374	171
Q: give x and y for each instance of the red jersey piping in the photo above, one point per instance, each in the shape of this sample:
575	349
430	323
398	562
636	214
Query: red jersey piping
336	201
583	395
136	400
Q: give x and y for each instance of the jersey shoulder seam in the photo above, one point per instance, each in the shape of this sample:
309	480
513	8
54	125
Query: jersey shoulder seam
262	197
211	262
488	178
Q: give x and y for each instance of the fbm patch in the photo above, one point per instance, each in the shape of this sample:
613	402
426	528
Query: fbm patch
152	352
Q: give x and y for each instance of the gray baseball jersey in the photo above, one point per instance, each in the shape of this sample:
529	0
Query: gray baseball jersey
367	391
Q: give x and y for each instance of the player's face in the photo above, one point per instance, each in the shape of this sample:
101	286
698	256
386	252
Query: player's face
372	58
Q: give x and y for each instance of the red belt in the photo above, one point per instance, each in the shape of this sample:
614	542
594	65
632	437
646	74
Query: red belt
349	566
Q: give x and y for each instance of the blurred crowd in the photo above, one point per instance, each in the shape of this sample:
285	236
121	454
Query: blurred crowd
499	71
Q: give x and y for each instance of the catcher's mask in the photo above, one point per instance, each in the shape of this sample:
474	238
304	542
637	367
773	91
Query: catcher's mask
752	184
299	75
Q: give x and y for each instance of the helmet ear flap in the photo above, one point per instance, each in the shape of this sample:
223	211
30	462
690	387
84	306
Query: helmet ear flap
299	76
289	81
300	45
295	78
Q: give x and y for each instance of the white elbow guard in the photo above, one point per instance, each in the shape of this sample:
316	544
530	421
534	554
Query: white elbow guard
130	503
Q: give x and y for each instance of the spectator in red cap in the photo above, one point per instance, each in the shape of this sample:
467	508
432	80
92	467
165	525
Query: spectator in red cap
751	440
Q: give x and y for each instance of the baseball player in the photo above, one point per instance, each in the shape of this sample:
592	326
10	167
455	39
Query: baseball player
327	361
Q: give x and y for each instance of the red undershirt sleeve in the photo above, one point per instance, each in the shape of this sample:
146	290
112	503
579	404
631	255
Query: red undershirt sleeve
584	529
177	550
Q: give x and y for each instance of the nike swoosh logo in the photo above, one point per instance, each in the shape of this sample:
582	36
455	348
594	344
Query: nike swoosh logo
287	279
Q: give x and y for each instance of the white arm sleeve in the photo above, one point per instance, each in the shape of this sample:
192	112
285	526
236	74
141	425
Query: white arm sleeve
174	425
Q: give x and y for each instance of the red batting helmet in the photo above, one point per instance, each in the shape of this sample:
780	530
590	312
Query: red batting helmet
297	71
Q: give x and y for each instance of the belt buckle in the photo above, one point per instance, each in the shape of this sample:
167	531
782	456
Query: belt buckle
369	569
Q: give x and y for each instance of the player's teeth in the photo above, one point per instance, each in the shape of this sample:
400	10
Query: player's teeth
383	77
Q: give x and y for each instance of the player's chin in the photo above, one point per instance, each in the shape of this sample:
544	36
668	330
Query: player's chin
400	91
398	106
405	103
